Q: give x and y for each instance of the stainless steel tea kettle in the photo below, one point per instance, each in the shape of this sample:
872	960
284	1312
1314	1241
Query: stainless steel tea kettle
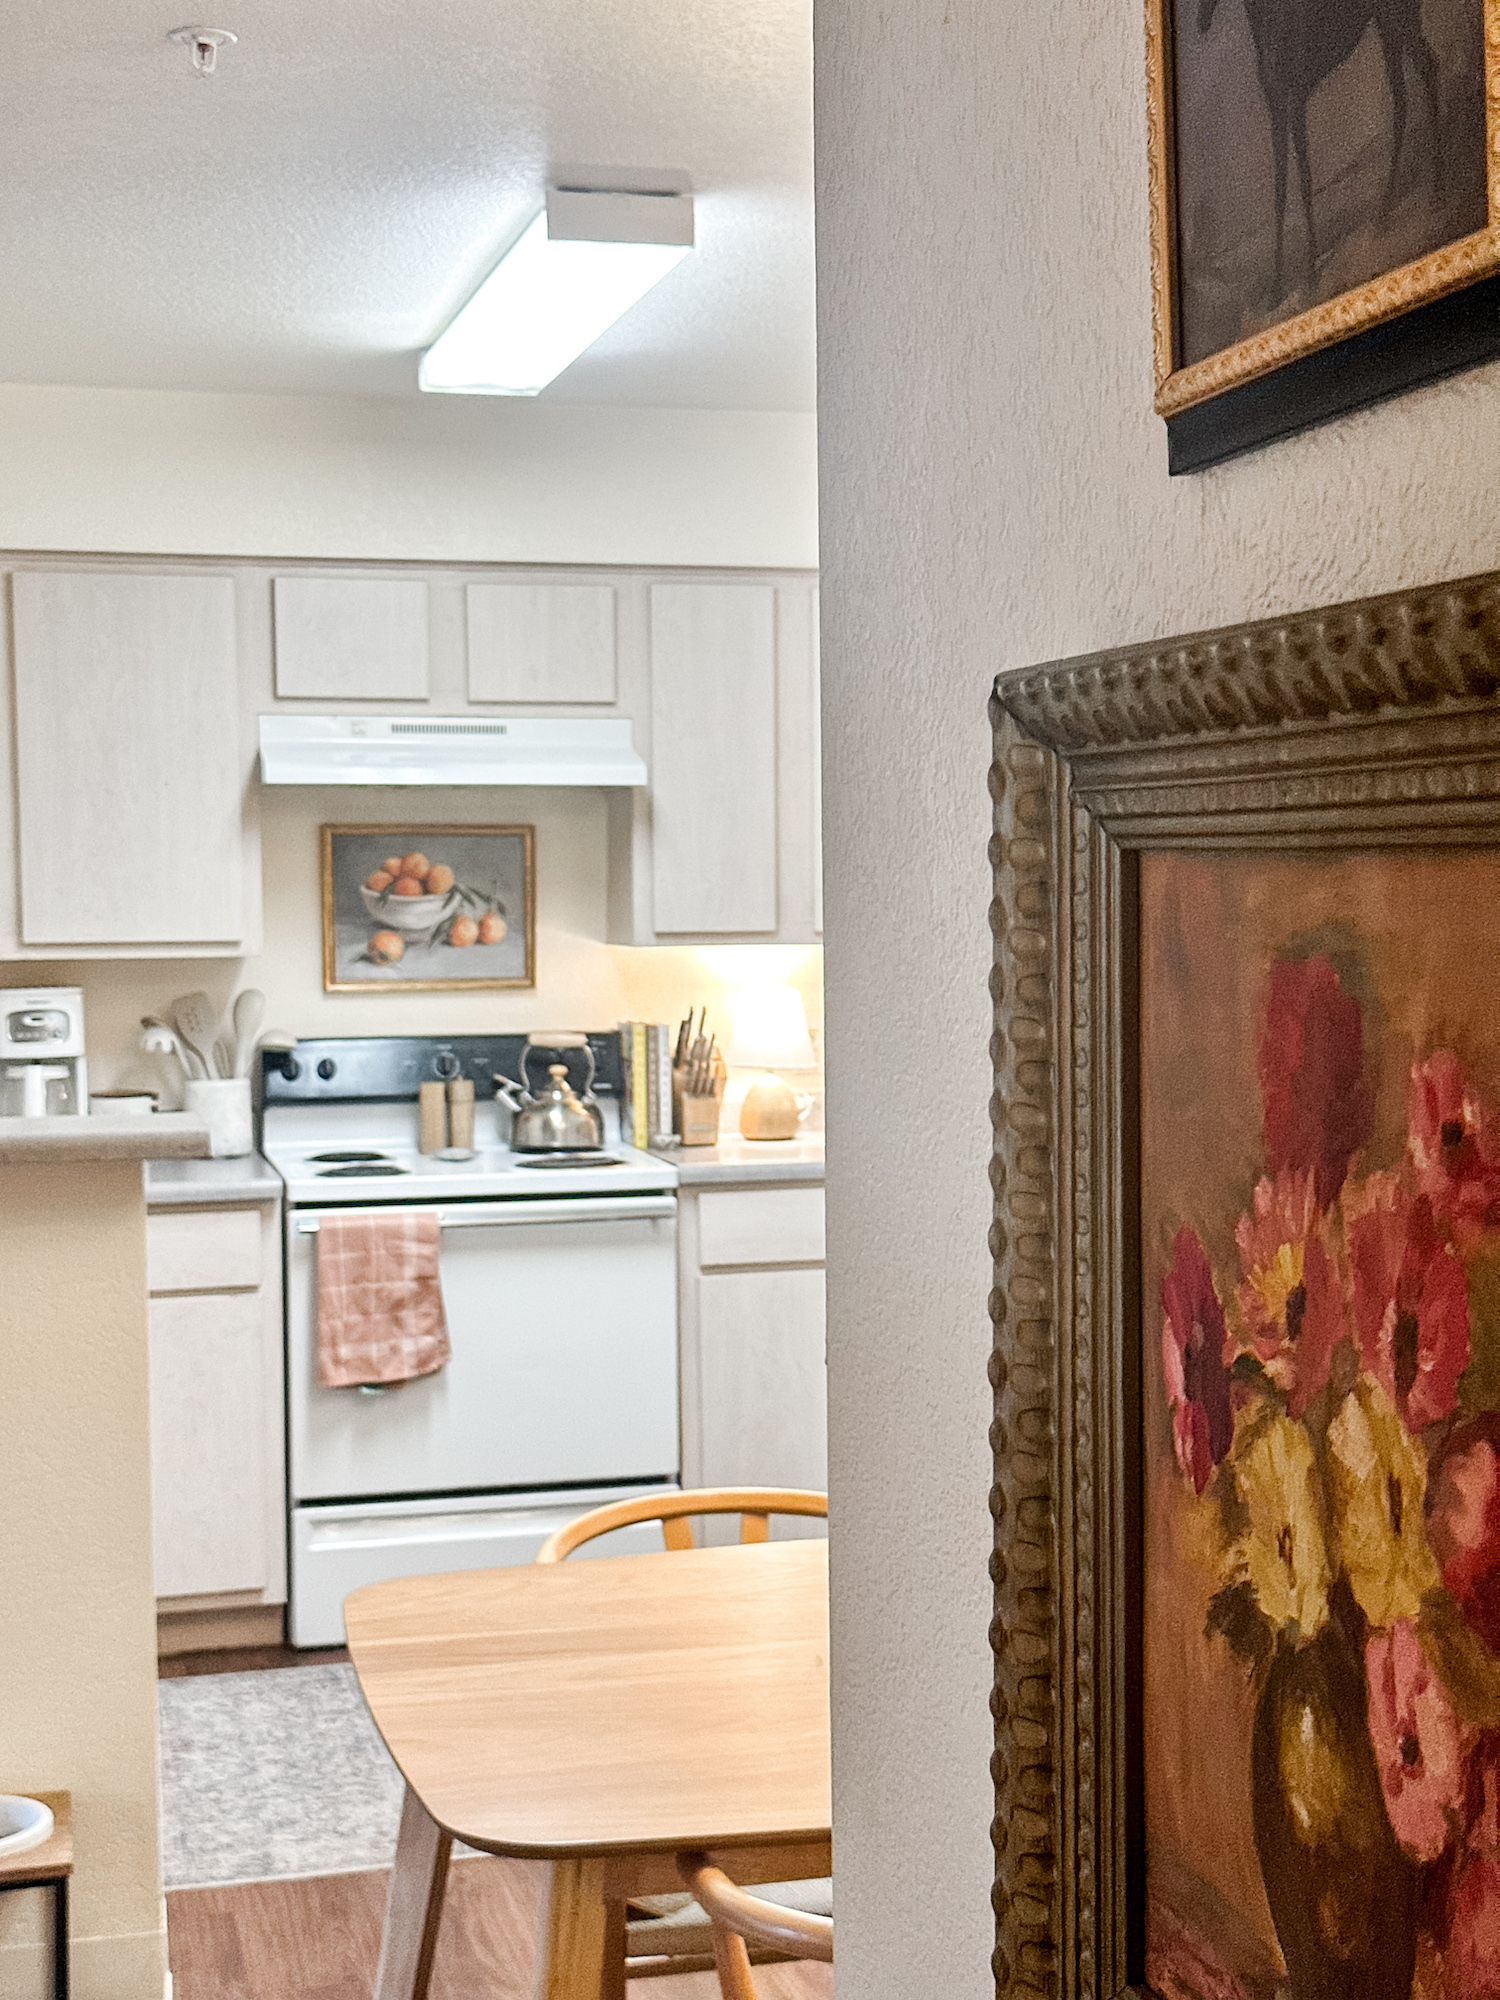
555	1119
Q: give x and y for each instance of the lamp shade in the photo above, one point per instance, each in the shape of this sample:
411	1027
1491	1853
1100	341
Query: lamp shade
770	1030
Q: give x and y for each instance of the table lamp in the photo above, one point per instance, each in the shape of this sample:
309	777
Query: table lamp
770	1034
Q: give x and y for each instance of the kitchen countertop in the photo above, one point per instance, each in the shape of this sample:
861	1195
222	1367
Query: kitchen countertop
735	1161
176	1183
158	1135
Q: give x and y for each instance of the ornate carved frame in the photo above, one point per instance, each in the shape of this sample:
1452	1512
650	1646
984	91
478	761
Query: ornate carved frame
1425	347
1367	725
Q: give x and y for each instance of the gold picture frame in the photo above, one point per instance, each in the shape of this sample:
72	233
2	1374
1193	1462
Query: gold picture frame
1320	738
470	906
1284	375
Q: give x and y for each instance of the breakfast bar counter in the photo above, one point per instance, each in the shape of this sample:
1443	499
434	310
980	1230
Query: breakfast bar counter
78	1685
159	1135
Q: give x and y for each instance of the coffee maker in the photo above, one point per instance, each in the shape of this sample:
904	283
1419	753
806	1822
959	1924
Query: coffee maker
42	1069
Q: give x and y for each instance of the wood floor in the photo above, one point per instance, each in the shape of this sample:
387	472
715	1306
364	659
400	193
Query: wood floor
319	1940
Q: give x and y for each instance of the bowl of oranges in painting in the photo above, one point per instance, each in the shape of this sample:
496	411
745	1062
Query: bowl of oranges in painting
413	900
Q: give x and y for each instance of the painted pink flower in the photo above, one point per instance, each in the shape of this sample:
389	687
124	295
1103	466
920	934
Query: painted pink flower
1319	1104
1463	1521
1417	1739
1291	1297
1411	1304
1192	1360
1450	1148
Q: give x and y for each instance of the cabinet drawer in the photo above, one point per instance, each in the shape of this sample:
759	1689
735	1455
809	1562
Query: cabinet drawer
763	1226
215	1251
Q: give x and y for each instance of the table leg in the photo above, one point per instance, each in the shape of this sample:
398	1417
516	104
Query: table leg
60	1968
576	1934
612	1979
413	1904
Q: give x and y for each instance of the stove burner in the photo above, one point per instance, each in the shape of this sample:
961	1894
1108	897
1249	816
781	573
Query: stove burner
333	1158
358	1173
571	1160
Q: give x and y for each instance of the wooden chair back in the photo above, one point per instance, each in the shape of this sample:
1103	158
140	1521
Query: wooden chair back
739	1919
754	1504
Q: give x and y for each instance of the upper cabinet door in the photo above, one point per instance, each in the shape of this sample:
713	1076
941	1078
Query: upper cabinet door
128	760
542	642
351	638
713	758
817	769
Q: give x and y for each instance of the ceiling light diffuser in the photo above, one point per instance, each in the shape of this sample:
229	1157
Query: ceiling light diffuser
573	271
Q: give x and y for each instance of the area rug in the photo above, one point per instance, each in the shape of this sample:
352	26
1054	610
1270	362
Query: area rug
272	1776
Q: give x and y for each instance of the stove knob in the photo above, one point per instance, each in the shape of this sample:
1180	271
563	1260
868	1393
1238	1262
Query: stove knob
446	1063
326	1068
291	1069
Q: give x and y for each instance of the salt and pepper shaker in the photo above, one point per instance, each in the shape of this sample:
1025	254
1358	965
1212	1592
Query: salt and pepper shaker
434	1105
460	1113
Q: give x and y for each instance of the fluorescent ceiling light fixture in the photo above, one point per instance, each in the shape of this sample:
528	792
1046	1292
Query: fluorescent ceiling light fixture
572	272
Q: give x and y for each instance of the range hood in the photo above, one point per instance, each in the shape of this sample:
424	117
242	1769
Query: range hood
446	750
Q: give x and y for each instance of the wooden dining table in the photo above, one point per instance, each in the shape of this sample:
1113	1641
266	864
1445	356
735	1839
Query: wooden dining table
601	1715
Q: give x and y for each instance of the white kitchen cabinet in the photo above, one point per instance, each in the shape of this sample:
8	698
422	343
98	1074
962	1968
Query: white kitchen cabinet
129	796
134	834
208	1463
763	1378
713	762
815	724
351	638
754	1364
723	845
542	643
218	1486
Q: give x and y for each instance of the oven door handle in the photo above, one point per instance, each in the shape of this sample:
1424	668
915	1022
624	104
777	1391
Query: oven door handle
639	1208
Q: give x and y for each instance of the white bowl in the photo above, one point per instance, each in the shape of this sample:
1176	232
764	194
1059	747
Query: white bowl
23	1823
409	916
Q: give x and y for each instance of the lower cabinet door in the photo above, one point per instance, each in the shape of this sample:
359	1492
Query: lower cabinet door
208	1433
764	1379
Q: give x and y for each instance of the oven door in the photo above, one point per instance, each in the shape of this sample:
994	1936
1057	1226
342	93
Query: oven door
562	1316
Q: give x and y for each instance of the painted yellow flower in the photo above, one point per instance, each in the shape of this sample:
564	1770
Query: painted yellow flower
1280	1552
1275	1282
1377	1476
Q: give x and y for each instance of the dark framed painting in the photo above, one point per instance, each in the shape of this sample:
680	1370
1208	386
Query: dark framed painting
1247	1311
1325	207
428	909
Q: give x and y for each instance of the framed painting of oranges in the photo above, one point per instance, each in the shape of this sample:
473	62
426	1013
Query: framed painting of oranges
428	909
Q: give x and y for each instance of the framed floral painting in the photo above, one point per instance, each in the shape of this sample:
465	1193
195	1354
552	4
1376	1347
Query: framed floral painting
1320	1197
1247	1312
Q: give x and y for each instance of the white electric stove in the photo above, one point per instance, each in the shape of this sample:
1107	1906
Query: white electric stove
560	1289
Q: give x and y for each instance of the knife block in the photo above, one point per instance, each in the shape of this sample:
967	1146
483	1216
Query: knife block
696	1118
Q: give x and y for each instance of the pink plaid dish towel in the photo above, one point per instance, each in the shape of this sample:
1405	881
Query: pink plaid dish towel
380	1301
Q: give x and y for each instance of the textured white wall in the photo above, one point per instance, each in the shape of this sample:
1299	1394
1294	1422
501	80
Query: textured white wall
446	478
994	493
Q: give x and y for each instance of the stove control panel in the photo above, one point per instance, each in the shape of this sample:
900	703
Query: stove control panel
368	1069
